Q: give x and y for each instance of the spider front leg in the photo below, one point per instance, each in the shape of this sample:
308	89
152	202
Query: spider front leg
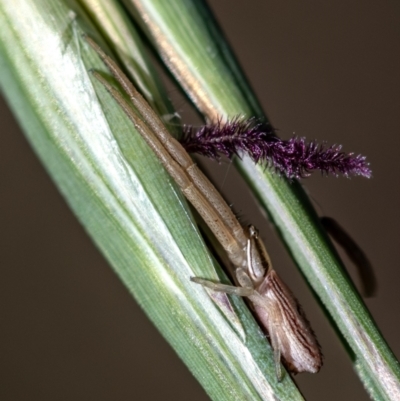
245	290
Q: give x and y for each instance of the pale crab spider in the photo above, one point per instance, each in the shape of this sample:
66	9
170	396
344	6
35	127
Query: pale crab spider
291	336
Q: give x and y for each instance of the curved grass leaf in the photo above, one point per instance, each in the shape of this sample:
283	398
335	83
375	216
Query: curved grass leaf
124	198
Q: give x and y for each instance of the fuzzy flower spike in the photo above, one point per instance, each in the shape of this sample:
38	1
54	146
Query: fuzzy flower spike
295	158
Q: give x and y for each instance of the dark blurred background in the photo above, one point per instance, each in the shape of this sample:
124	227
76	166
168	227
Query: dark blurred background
70	331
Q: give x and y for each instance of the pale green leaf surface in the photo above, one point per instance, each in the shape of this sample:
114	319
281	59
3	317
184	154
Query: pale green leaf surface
125	200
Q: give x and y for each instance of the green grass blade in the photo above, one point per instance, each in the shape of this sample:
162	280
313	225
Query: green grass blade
124	199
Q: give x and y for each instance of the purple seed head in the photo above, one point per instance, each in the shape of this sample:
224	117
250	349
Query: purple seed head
294	158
